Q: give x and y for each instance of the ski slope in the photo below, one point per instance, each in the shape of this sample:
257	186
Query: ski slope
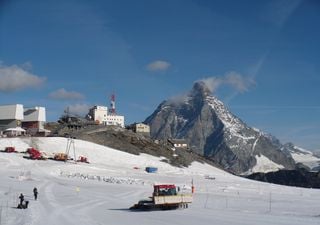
101	192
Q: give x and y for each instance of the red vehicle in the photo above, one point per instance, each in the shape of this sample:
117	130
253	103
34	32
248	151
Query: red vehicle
165	196
83	159
10	149
35	154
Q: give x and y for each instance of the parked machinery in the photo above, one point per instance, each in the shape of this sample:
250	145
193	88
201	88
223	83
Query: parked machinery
35	154
83	159
165	196
10	149
60	157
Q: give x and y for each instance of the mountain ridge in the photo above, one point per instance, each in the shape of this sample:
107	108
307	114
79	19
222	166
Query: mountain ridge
213	131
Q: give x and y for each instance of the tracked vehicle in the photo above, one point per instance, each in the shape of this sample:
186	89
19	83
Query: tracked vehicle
164	197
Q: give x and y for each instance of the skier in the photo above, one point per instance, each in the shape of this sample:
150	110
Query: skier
35	193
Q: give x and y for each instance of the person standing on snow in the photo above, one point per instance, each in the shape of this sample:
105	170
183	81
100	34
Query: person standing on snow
21	197
35	193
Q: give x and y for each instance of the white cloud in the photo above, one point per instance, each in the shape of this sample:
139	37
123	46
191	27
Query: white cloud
213	83
178	99
79	109
62	94
158	66
238	82
15	78
233	79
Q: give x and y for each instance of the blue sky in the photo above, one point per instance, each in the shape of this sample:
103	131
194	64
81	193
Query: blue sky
77	53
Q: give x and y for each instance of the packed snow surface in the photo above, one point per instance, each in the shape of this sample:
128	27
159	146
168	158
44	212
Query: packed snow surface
102	191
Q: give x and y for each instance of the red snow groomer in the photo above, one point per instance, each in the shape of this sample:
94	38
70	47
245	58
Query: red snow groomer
164	197
35	154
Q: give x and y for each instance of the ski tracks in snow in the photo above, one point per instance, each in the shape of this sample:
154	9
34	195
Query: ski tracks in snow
53	208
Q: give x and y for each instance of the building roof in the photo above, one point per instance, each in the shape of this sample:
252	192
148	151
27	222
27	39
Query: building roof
11	112
178	141
141	124
16	129
35	114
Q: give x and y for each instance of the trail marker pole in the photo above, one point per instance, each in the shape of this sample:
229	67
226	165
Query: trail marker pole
226	202
206	202
270	200
0	214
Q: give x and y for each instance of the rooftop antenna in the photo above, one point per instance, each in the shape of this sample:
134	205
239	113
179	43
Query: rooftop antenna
67	111
113	104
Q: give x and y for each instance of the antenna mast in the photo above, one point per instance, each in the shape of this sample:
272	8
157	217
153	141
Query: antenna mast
113	104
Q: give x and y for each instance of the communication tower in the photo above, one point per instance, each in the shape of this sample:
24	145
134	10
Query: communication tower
113	104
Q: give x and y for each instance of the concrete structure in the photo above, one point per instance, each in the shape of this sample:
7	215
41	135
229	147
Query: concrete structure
100	115
11	116
15	117
140	128
115	120
34	120
178	143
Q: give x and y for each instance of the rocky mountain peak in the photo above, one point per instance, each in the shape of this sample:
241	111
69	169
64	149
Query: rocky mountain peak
200	89
213	131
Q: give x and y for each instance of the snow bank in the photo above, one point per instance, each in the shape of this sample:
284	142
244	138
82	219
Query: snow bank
264	165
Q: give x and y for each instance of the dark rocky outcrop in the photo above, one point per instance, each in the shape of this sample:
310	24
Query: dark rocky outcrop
299	178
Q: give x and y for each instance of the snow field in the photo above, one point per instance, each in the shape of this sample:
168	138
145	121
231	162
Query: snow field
101	192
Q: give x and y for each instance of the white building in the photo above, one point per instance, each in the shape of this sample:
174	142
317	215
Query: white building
114	120
100	115
34	120
178	143
140	128
15	116
11	116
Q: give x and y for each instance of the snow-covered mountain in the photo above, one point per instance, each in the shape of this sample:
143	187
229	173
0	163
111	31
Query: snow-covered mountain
303	156
213	131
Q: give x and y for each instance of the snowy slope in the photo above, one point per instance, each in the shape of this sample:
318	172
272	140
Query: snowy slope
305	157
240	136
264	165
101	192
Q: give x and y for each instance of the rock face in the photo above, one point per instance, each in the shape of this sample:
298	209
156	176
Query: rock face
214	132
298	178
